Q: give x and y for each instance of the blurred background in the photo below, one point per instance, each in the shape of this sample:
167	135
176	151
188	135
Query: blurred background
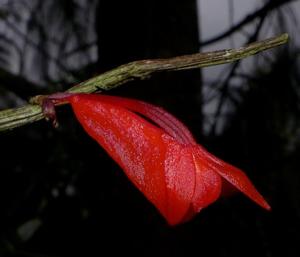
62	195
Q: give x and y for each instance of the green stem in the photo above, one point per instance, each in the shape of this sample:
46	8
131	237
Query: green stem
143	69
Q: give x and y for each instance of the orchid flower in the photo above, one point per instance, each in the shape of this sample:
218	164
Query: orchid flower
158	154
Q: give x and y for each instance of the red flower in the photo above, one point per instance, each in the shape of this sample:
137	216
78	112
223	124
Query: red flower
160	157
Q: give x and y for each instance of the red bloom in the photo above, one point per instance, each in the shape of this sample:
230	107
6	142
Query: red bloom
161	158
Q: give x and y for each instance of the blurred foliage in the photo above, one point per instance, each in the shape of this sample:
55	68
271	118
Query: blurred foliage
62	195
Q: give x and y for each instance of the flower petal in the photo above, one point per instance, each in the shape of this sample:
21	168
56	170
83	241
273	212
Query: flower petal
170	124
235	176
152	160
208	182
180	181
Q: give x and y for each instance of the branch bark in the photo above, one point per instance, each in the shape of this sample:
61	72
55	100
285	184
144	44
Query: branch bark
143	69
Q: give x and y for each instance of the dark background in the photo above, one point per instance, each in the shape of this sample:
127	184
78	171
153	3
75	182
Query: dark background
61	195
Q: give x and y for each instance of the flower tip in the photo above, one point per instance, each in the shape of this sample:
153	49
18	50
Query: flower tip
267	207
263	203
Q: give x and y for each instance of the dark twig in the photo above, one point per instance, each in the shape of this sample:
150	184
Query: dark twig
263	11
